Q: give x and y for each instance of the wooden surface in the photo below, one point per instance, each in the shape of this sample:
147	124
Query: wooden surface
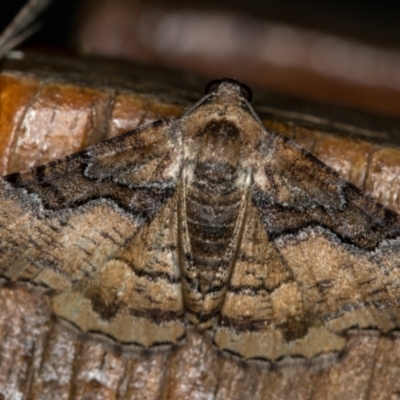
46	113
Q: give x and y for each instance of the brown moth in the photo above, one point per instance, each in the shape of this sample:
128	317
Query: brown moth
209	221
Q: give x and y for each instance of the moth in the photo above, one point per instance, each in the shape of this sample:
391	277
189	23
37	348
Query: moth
208	222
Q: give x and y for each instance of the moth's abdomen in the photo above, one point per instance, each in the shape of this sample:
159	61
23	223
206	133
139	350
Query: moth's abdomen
213	208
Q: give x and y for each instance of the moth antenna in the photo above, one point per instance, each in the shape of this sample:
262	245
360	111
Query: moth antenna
21	27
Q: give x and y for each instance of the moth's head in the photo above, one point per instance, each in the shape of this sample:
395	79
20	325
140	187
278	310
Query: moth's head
227	87
224	98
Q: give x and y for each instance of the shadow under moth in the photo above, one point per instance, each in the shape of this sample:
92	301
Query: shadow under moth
208	221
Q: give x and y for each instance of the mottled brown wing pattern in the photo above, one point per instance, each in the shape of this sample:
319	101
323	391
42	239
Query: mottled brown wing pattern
318	257
99	227
208	220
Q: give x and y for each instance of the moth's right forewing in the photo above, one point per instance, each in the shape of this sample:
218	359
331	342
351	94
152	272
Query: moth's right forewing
65	224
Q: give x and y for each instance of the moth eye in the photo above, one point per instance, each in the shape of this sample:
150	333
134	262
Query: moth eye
246	92
212	86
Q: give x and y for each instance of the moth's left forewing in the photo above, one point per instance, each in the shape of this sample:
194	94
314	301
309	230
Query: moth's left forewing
68	225
317	257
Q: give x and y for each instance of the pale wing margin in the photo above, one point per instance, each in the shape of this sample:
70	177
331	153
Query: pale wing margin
318	257
66	225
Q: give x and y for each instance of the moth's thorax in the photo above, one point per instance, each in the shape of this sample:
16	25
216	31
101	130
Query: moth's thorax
223	125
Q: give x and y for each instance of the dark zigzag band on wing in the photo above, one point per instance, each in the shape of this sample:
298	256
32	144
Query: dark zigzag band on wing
281	220
50	182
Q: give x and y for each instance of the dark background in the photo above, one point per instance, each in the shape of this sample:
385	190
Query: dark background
56	21
372	21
